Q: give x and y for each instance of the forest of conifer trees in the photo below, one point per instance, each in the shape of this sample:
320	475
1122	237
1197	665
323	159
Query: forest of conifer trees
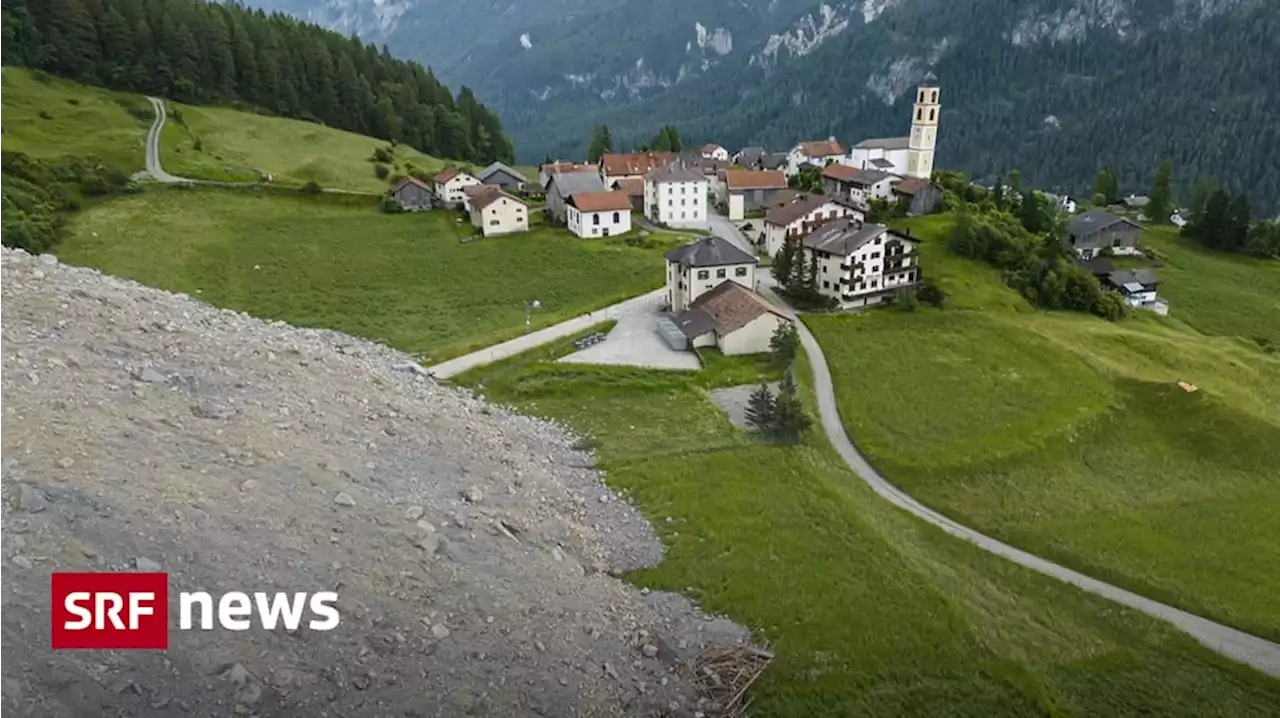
200	52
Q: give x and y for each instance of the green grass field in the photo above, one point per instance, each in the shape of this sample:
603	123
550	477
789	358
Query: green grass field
239	146
77	121
870	612
337	262
1067	435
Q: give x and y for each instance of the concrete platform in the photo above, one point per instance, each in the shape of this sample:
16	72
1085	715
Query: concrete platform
635	341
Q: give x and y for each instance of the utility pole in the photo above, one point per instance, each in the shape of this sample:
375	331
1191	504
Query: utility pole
528	313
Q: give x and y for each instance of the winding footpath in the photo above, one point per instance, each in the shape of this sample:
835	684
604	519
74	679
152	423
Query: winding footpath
153	147
1232	643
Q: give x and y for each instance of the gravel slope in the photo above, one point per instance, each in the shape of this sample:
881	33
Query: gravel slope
471	548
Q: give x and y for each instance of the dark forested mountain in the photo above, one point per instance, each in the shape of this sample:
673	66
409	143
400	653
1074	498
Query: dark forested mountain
197	52
1057	88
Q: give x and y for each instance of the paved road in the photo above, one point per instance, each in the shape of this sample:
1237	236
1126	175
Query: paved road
498	352
722	227
1238	645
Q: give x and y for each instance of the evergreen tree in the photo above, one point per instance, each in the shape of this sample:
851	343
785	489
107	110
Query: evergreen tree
1108	186
1212	227
667	140
783	263
601	143
1160	204
1203	190
790	421
761	411
811	278
73	39
1236	228
784	344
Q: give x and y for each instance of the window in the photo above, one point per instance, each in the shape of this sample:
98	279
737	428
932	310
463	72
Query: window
682	201
682	215
824	269
879	239
720	273
740	272
919	114
931	114
875	255
595	218
1115	242
874	283
933	97
683	189
831	214
493	223
671	202
826	285
704	274
922	95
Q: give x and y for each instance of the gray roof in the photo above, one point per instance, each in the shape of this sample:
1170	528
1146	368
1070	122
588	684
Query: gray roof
1136	201
884	143
709	252
748	155
673	172
499	167
843	236
881	163
694	322
1086	223
773	160
930	80
1144	277
567	183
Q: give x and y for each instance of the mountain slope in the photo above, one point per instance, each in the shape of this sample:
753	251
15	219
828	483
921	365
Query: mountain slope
1057	88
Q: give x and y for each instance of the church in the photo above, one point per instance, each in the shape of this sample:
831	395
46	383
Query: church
910	156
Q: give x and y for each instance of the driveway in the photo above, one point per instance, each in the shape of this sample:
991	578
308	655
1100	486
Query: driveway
635	341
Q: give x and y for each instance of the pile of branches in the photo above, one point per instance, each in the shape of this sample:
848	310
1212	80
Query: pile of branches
723	675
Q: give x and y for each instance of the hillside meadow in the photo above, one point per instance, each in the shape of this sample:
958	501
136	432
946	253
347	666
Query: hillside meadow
408	280
869	611
1069	436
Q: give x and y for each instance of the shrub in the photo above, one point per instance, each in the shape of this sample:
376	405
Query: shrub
176	115
381	171
73	100
311	188
1111	306
396	178
44	115
391	206
198	145
383	155
907	301
930	293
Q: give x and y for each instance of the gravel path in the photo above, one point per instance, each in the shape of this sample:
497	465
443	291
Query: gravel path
153	147
472	548
1232	643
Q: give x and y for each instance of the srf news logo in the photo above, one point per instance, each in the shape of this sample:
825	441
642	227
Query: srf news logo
110	611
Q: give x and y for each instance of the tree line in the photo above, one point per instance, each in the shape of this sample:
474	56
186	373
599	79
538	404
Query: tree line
200	52
601	142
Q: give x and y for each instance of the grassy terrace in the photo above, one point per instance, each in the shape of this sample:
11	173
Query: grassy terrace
1068	436
337	262
870	612
57	118
238	146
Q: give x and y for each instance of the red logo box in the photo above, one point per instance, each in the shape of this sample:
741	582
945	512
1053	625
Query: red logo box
110	611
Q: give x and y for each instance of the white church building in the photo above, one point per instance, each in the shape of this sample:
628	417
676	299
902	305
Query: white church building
910	156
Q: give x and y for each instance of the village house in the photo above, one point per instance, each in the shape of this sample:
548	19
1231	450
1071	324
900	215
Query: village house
450	185
598	214
695	269
730	317
564	184
859	264
614	166
532	190
814	152
502	176
412	194
793	221
494	212
910	156
748	157
746	191
546	171
1090	232
714	152
1139	288
920	195
633	189
676	197
859	185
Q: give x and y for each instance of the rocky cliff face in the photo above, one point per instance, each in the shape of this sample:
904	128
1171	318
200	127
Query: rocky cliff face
470	547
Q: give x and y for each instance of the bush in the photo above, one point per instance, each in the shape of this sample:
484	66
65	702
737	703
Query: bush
382	155
73	100
931	294
907	301
44	115
198	145
396	178
390	205
311	188
1111	306
381	171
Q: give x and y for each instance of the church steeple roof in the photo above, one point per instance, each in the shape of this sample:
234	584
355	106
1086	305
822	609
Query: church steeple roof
930	80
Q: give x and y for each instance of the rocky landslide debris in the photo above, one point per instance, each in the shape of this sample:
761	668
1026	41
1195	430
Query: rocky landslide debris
144	429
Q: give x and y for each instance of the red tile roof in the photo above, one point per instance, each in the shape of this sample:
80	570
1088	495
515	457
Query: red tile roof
601	201
486	194
822	148
632	186
751	179
910	186
449	174
636	163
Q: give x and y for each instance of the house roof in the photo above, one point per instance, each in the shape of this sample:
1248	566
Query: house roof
673	173
636	163
499	167
843	236
788	213
488	194
1087	223
449	174
1098	266
1136	201
554	167
749	155
738	180
709	252
930	80
1144	278
884	143
853	175
773	160
712	147
601	201
911	185
821	148
409	181
568	183
726	308
882	164
631	186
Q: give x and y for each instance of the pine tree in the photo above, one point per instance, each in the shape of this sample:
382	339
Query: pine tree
1236	228
73	38
1212	227
811	279
601	143
761	412
1160	203
782	264
1203	190
784	344
790	421
1108	186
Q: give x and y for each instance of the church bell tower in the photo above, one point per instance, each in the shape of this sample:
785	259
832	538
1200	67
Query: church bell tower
924	129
